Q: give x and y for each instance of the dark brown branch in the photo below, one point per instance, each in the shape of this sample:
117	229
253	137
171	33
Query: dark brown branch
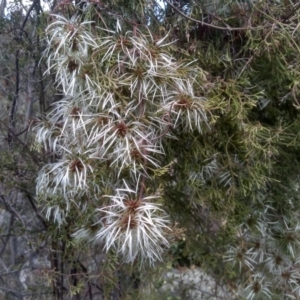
27	15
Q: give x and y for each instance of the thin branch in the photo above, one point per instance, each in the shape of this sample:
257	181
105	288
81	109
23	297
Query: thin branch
17	87
14	102
20	294
294	10
32	203
8	231
228	28
11	209
25	147
27	15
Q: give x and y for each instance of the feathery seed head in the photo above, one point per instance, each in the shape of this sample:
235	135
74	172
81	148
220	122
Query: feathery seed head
133	227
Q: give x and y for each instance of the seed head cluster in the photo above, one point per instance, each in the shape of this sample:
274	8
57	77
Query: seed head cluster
268	256
124	94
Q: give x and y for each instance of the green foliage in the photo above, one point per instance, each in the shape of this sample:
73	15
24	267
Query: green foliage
222	107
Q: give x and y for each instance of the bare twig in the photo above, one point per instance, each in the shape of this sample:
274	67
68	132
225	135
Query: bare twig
227	28
25	147
13	109
8	231
294	10
11	209
33	205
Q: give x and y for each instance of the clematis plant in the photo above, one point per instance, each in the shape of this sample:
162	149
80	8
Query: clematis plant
124	95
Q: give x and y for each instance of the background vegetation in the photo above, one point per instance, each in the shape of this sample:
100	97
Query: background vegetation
218	106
